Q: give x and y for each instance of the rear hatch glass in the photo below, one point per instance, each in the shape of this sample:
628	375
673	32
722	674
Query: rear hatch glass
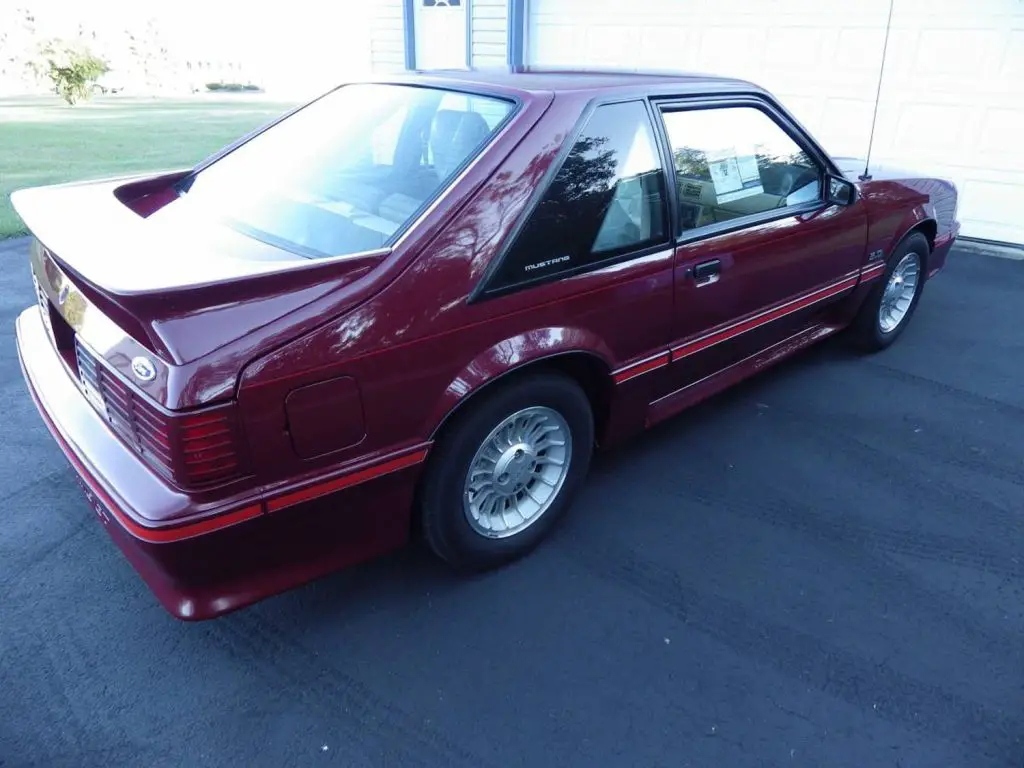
346	173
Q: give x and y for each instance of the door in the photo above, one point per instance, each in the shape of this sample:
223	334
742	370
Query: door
440	29
760	255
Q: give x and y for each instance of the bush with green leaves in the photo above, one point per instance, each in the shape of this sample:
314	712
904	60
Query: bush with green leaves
232	87
73	69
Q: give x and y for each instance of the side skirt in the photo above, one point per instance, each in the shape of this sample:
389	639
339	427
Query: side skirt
691	394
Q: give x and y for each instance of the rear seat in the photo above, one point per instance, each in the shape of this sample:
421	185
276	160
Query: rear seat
397	208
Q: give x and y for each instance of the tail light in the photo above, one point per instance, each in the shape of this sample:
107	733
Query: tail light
192	450
209	449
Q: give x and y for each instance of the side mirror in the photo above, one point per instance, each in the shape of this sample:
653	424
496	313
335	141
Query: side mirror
841	191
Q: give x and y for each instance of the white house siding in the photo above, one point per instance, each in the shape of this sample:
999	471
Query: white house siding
489	37
952	99
387	36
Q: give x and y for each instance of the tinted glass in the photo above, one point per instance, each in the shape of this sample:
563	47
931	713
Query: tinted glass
735	162
607	199
349	171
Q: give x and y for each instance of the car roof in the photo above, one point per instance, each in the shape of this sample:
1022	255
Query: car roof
527	79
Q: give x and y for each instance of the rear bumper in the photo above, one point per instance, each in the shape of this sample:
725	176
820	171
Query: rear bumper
135	498
200	559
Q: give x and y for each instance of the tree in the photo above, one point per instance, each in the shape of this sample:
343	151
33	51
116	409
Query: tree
17	41
73	69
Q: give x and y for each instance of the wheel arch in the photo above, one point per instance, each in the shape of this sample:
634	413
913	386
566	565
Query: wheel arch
587	367
919	218
928	227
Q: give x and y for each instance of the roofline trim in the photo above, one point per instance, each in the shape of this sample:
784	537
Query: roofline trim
463	79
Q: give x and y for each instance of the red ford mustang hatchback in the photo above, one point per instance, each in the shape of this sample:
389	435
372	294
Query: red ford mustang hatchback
416	305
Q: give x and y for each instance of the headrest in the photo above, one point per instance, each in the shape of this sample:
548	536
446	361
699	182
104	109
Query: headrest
453	137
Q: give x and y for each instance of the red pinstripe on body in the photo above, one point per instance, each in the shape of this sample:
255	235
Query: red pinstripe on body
873	271
717	337
680	351
317	490
644	366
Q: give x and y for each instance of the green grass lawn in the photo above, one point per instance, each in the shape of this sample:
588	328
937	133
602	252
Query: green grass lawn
43	141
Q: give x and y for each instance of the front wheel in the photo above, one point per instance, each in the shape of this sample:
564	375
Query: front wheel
505	470
888	308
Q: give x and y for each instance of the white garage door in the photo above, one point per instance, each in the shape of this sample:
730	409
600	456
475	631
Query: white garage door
952	100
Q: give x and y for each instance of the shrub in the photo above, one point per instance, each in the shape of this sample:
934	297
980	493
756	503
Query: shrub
71	68
232	87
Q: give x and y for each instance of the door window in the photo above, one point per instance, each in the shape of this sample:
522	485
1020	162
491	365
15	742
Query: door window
607	200
733	162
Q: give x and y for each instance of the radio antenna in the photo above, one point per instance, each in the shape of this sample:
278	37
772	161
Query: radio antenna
878	95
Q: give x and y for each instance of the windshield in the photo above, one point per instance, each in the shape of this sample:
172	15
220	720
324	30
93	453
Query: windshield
348	172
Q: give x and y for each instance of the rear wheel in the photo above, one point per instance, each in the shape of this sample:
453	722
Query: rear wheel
888	308
505	470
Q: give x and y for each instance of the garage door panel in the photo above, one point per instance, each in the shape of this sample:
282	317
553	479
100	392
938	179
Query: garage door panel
901	56
816	8
985	204
930	128
668	48
846	126
732	48
608	43
962	53
1002	137
794	46
854	46
987	198
809	110
562	43
1013	56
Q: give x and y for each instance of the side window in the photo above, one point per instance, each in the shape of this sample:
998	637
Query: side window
493	112
607	199
736	161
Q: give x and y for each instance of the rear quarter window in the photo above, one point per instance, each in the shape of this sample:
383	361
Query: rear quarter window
607	200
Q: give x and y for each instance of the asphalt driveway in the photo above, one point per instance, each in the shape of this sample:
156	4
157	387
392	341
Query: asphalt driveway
821	567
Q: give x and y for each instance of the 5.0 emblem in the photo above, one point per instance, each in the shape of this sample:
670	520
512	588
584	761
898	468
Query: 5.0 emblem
143	369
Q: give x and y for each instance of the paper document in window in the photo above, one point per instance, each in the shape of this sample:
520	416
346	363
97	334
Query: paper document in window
735	176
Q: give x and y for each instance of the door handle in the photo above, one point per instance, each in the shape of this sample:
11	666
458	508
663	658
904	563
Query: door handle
707	272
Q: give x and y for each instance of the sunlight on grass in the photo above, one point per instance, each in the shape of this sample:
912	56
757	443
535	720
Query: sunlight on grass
43	141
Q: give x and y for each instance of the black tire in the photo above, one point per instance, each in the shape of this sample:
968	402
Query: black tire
866	331
444	522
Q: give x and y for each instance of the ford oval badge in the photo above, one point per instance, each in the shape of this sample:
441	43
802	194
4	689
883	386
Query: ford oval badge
63	294
143	369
